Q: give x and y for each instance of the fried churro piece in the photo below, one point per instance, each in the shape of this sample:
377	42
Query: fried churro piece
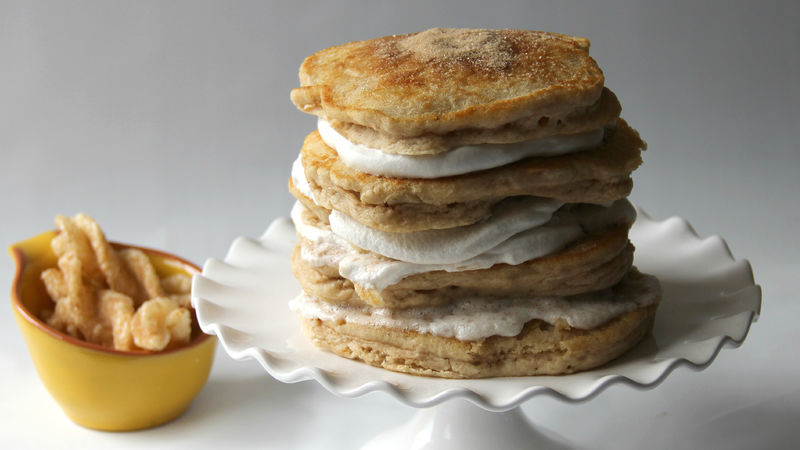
161	322
142	269
178	287
116	274
115	312
54	283
74	239
75	310
177	284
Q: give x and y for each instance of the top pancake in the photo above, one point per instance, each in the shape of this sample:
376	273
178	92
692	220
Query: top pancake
442	80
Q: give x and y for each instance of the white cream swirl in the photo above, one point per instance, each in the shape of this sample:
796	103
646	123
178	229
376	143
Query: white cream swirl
471	158
375	271
452	245
299	179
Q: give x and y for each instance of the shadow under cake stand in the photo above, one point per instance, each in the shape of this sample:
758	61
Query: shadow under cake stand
709	301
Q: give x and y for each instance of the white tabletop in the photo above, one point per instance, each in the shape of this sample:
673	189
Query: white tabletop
170	123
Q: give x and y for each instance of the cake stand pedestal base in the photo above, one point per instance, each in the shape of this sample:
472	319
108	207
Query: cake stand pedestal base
459	424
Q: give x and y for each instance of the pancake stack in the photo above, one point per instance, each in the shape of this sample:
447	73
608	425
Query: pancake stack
462	206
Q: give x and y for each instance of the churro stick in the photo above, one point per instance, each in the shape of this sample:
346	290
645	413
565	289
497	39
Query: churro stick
74	239
142	269
54	283
74	312
116	274
177	284
116	311
178	287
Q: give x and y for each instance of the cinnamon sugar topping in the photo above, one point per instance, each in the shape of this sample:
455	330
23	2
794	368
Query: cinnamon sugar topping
485	49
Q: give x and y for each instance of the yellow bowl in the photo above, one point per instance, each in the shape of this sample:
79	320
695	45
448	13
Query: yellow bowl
98	387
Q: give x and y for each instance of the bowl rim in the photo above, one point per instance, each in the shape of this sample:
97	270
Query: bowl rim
20	260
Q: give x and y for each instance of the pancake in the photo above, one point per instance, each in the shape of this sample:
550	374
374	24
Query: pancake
603	113
597	175
441	80
540	348
445	287
595	262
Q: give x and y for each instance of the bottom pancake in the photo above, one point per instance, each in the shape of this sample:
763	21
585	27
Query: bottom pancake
540	348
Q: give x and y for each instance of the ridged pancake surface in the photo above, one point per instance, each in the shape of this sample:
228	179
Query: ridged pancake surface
441	80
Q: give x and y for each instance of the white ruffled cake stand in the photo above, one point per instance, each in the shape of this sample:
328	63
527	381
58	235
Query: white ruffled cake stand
709	301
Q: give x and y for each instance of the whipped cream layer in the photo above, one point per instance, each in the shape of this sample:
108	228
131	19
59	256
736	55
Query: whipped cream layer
471	158
299	179
452	245
472	319
376	271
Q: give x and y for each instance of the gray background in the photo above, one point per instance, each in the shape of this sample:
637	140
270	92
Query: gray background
170	123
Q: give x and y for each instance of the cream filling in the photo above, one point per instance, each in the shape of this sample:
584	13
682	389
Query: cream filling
376	271
299	179
471	158
452	245
472	319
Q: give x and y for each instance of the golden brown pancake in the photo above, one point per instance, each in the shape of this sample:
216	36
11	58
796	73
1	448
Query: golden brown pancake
441	80
603	113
